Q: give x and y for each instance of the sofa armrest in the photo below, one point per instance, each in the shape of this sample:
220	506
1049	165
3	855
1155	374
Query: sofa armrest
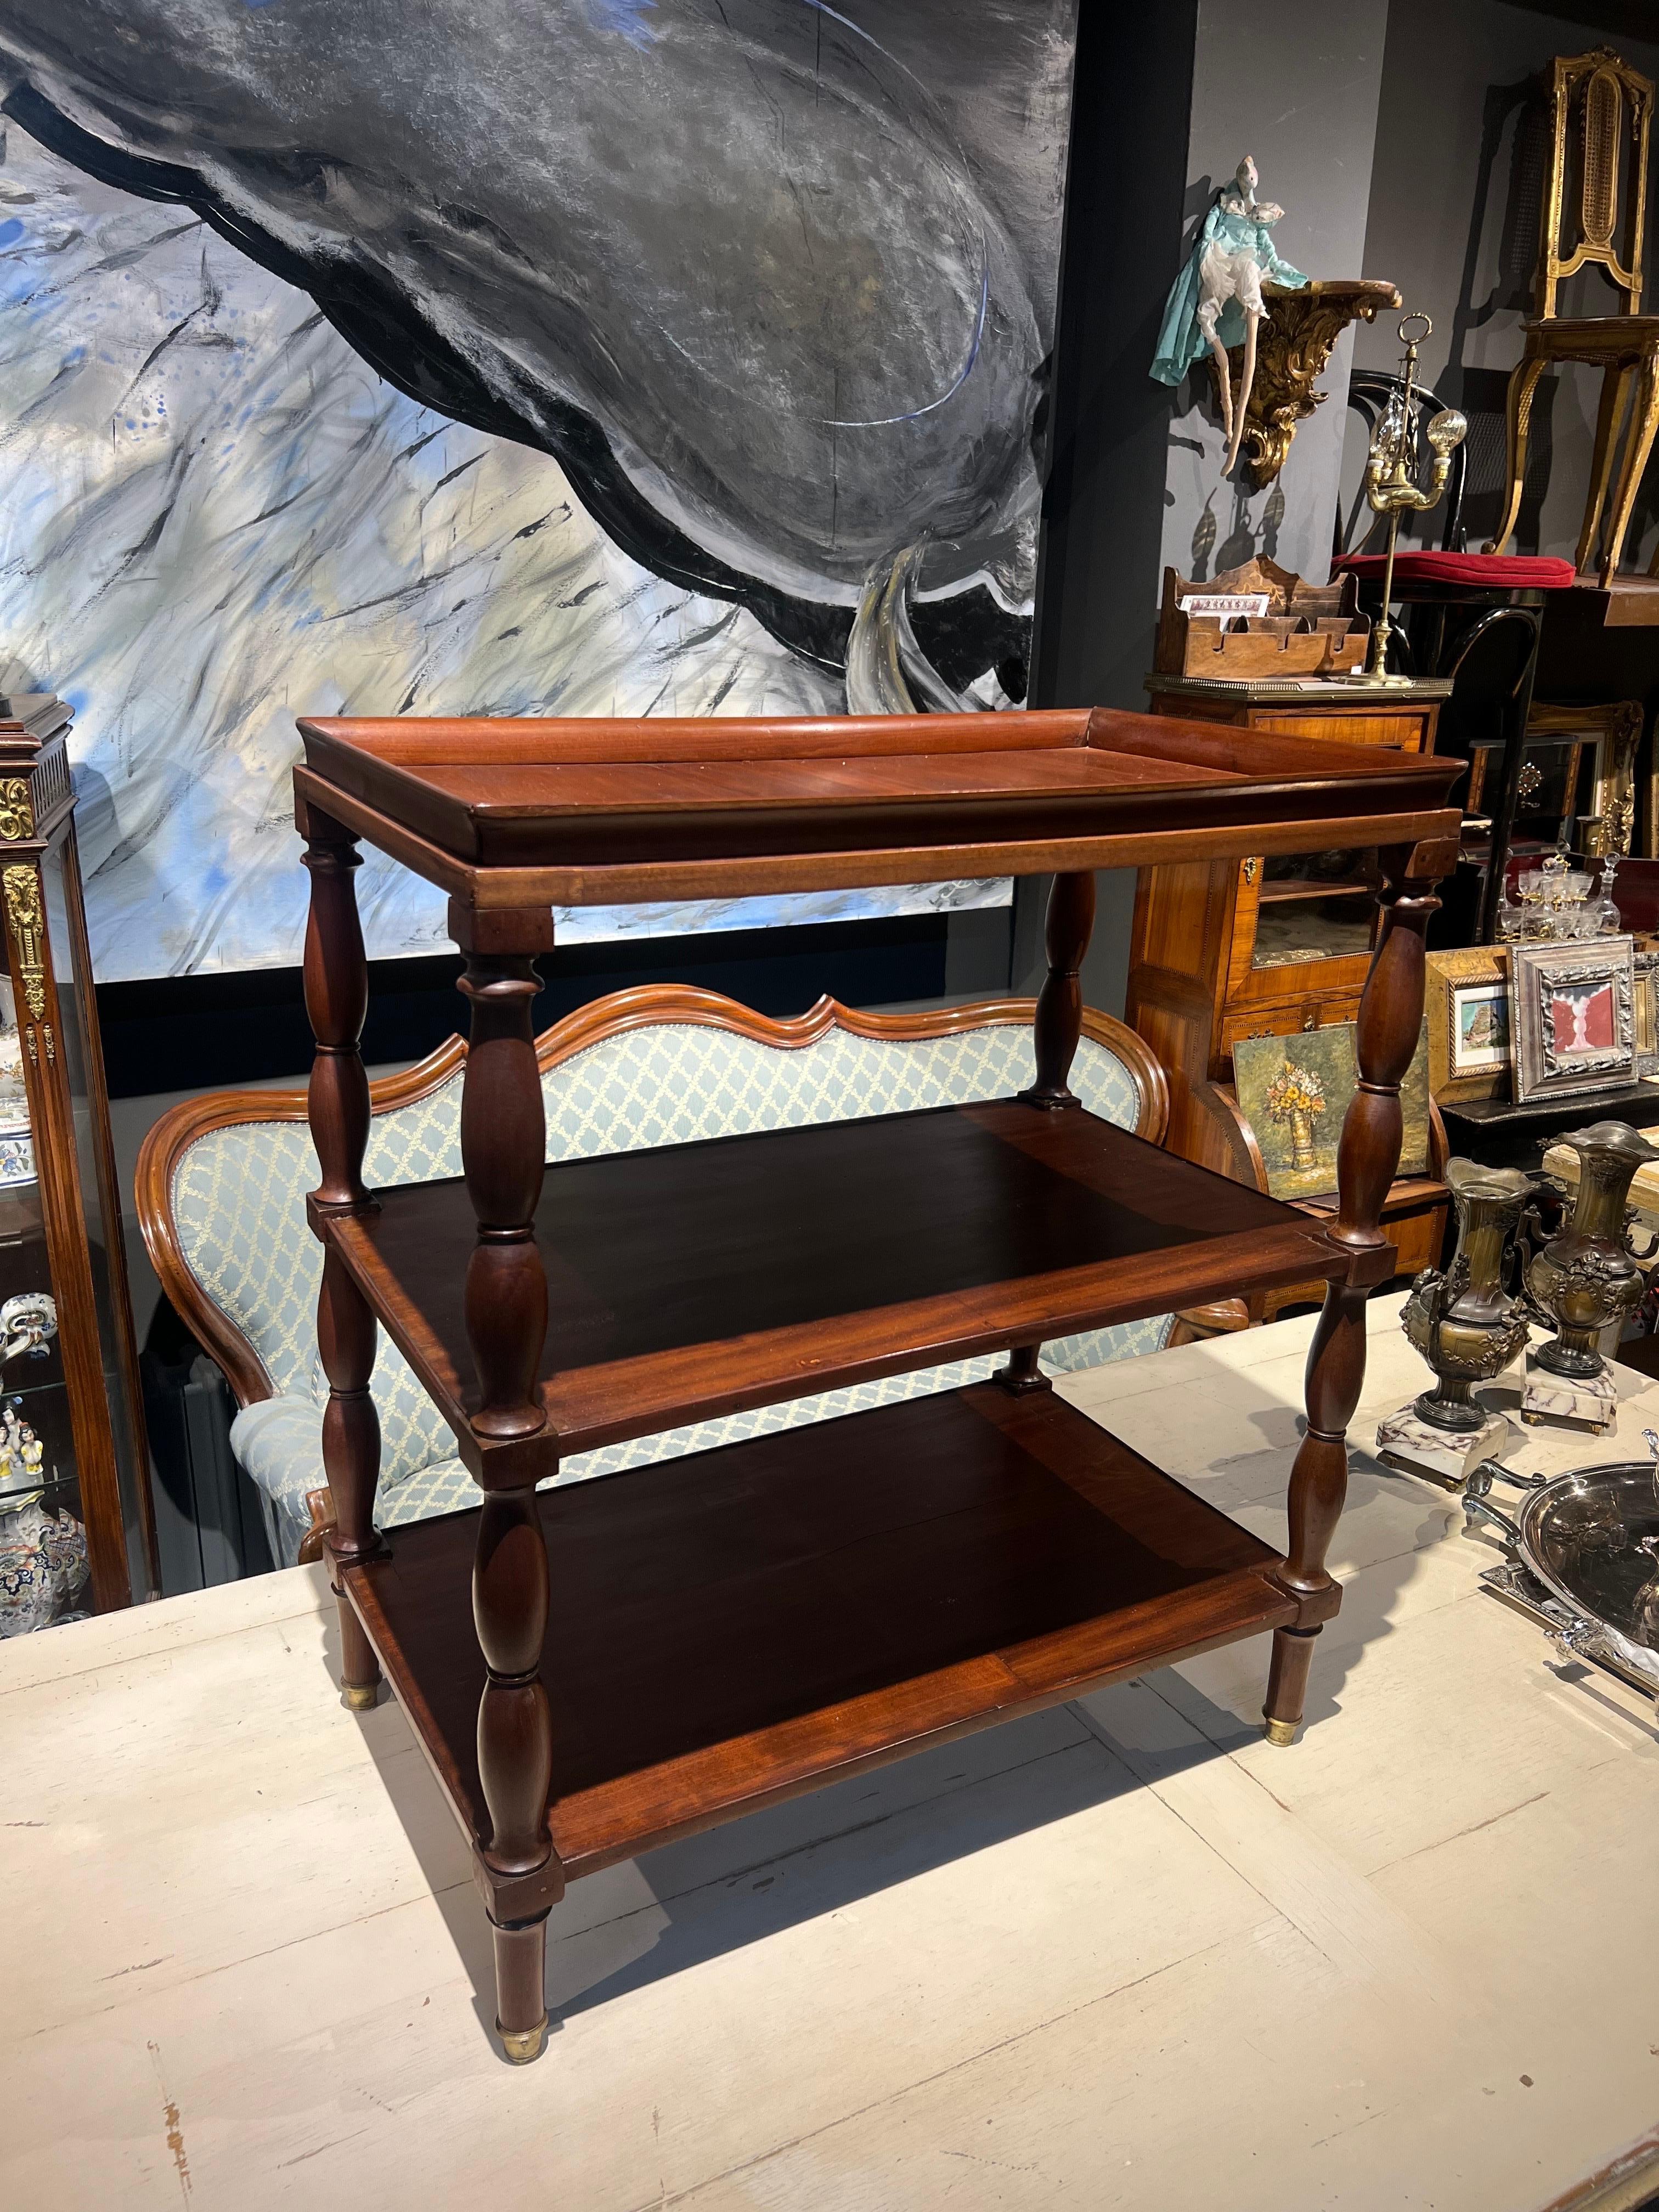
280	1443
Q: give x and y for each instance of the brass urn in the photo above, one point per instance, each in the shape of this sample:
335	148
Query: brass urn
1463	1322
1586	1276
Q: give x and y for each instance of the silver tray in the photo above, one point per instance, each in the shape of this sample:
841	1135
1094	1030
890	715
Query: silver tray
1587	1545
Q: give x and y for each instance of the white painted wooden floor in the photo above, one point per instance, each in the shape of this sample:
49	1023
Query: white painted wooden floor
1123	1954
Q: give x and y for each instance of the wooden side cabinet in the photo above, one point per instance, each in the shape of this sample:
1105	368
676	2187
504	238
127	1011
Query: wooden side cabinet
1265	946
76	1530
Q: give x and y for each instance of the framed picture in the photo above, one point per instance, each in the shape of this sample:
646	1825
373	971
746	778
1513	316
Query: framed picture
1468	1002
1294	1091
1646	961
1572	1013
1612	733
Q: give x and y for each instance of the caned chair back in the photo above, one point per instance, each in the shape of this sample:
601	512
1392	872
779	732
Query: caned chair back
1595	208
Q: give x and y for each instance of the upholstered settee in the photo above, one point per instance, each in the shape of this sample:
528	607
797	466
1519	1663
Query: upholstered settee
222	1185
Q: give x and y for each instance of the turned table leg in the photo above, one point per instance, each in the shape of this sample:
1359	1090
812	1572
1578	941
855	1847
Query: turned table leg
1059	1020
520	1985
1368	1153
1055	1027
515	1746
503	1146
338	1107
1021	1375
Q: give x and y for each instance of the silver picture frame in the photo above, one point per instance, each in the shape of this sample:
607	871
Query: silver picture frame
1647	1012
1572	1016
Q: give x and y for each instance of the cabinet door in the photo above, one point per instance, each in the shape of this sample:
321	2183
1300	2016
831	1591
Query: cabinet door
1302	929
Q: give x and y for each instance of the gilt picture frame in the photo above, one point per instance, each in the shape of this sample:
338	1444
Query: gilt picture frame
1613	729
1572	1016
1471	1044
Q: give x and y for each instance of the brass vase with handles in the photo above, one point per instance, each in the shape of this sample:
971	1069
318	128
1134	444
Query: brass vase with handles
1463	1322
1586	1276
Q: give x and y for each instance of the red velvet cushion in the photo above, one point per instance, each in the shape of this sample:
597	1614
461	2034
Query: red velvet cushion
1515	572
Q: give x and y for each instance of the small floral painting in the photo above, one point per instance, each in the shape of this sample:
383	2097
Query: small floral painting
1296	1096
1294	1092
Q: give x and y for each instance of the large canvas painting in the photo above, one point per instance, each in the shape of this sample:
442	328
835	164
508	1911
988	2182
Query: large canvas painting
504	356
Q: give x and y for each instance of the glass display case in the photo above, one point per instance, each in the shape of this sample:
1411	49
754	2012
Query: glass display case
1315	906
76	1531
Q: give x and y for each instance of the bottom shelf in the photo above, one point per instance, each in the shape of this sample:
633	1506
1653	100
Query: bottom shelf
743	1624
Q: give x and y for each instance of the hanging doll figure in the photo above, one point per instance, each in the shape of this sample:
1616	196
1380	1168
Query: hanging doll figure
1217	299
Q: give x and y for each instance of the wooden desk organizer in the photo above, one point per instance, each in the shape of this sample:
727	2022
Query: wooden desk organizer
1308	629
734	1627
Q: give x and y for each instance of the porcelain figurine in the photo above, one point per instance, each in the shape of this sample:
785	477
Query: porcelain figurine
43	1564
1216	302
17	1138
43	1556
27	1322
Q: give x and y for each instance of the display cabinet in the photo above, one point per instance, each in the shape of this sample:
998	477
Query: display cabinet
76	1532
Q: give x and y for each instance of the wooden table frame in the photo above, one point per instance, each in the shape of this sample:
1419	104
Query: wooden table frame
513	817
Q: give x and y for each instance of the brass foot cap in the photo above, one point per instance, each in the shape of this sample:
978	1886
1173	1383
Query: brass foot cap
359	1697
521	2045
1281	1732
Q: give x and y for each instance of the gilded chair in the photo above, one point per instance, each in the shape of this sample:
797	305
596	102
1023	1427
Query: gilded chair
1603	109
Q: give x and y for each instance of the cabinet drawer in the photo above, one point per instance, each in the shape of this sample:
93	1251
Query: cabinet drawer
1312	1013
1406	730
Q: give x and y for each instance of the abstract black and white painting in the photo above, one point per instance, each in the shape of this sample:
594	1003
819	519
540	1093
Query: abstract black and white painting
504	356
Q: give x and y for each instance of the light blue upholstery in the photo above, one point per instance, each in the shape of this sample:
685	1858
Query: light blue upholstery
238	1203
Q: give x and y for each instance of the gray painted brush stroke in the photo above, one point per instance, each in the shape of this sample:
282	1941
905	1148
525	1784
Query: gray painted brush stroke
214	517
797	267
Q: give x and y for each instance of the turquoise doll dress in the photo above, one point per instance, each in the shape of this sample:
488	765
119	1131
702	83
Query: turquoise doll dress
1237	245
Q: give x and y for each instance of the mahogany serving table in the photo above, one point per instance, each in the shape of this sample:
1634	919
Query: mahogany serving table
719	1631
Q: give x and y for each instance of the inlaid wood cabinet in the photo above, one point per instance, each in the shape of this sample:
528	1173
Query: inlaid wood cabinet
1270	946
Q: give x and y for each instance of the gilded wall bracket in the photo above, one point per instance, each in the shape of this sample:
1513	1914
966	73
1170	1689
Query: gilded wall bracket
1294	345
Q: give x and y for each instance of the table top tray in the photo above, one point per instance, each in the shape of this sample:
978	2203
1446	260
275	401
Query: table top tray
525	812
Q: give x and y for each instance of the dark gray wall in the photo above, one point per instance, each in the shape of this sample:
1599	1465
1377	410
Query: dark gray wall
1453	221
1166	99
1100	545
1304	101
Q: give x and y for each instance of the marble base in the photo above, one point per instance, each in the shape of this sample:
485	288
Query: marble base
1572	1401
1449	1456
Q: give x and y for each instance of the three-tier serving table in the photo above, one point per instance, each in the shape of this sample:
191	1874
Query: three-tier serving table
596	1669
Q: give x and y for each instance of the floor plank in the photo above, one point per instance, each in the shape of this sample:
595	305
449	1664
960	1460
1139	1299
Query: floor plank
1120	1953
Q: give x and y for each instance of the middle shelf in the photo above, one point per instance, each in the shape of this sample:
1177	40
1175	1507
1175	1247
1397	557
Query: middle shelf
690	1280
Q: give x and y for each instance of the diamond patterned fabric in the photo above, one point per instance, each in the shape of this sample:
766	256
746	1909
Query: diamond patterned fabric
238	1198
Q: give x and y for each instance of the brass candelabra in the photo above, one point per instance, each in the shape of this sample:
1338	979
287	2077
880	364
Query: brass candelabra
1390	488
